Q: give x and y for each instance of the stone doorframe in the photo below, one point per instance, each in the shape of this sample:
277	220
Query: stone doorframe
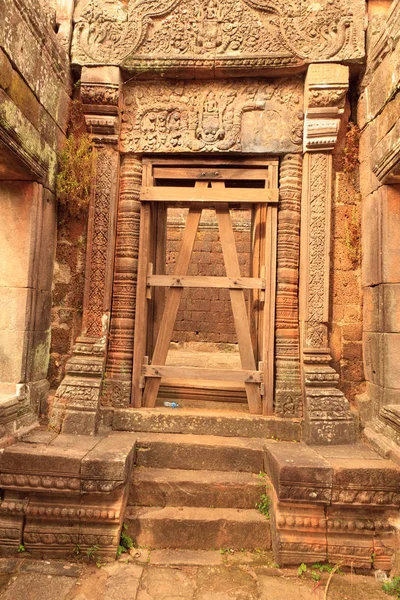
99	372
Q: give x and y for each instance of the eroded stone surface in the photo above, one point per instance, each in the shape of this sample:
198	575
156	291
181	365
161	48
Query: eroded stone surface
209	35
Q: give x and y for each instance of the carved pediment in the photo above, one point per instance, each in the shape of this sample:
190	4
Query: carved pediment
244	115
160	34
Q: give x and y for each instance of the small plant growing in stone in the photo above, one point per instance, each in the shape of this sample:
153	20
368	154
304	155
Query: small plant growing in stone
125	542
21	548
263	505
315	576
91	552
325	568
227	551
75	163
301	570
392	587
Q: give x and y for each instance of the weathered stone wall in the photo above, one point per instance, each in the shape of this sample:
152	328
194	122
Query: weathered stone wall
378	117
68	288
346	292
34	101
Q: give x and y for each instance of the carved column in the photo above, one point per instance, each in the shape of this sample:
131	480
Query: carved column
117	385
328	418
288	397
76	406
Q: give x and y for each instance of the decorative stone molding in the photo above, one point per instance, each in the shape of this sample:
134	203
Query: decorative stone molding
325	94
63	492
117	385
288	397
329	506
76	406
199	34
257	116
387	166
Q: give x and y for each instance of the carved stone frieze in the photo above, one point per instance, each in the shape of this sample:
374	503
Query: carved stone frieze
214	33
213	116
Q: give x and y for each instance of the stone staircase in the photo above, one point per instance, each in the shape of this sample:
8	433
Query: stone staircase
197	492
190	480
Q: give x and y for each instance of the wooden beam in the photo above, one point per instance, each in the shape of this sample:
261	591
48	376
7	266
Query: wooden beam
209	173
172	304
238	302
200	373
198	281
208	195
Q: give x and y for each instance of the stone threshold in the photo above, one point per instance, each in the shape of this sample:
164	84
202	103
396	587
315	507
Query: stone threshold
202	422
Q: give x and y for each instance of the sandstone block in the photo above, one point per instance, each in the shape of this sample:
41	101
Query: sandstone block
175	487
298	532
6	71
371	240
350	537
391	353
111	458
357	481
24	98
198	528
199	452
390	228
372	309
373	357
298	473
391	308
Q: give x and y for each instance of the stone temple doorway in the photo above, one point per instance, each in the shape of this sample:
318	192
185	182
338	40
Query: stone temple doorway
196	191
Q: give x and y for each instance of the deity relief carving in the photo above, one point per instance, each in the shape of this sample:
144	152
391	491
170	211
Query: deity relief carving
189	33
210	116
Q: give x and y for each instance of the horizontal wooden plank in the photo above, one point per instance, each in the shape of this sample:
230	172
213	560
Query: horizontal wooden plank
197	373
210	161
208	195
198	281
209	173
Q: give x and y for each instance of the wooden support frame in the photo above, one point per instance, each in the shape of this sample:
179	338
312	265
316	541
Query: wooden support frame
209	191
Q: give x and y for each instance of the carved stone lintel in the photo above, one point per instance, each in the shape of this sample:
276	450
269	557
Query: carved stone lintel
288	398
325	95
246	115
117	386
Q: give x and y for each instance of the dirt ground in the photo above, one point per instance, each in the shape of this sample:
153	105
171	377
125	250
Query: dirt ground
178	575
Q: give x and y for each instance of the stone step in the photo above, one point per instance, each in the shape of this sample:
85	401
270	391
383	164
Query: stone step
176	487
195	452
204	422
195	528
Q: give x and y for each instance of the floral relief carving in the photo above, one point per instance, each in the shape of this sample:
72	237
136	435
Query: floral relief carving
185	33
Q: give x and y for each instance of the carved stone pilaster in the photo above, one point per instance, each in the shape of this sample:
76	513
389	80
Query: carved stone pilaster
288	398
117	385
328	419
76	406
